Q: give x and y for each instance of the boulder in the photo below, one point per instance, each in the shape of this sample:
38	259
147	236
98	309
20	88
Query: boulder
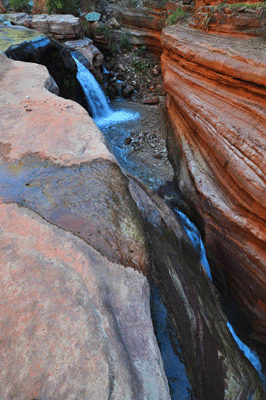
217	101
70	315
40	23
75	319
31	46
22	19
128	91
60	27
64	27
86	47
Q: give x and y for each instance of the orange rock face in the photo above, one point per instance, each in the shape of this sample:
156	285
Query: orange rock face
217	101
216	2
231	20
145	25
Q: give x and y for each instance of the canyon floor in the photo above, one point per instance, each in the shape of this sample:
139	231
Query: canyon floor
140	145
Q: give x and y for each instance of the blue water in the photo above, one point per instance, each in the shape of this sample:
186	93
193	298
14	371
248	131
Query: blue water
195	238
250	354
102	113
175	371
104	116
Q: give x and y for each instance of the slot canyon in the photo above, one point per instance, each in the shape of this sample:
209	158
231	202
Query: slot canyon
133	267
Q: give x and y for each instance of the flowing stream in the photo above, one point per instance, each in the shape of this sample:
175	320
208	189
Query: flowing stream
195	238
104	117
102	113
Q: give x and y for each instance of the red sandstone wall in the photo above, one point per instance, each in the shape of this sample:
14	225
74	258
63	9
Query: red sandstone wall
217	101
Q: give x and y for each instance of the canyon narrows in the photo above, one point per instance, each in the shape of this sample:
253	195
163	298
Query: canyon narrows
81	239
216	88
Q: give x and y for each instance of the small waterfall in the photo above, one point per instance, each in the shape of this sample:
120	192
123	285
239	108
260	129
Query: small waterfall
195	238
102	114
93	91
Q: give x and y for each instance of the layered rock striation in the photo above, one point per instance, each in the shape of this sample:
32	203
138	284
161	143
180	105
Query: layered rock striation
216	100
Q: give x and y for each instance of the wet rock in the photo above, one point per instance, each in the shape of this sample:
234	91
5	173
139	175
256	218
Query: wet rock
37	48
128	140
13	35
215	365
128	91
22	19
69	313
95	215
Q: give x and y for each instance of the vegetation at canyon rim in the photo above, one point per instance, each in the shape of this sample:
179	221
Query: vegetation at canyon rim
221	7
176	16
63	6
54	6
19	5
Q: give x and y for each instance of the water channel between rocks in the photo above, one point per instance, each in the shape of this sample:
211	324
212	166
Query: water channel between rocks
136	135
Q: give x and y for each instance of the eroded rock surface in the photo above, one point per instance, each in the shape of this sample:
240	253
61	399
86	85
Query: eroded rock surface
86	48
75	319
143	25
25	44
234	19
73	324
61	27
216	367
217	102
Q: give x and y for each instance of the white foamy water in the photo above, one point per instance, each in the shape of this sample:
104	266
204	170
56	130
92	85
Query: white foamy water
102	113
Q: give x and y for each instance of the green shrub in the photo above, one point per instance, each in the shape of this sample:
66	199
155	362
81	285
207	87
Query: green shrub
124	41
140	65
63	6
176	16
106	31
141	51
115	47
86	28
19	5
